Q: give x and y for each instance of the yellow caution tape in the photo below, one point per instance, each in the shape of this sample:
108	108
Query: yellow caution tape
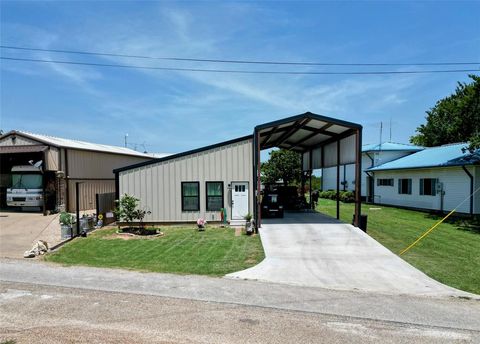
427	232
435	225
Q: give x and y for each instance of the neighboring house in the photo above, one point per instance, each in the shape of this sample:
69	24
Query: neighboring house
437	178
199	183
65	162
372	155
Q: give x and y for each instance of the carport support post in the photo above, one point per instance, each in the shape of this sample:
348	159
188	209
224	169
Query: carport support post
338	180
358	177
258	165
312	206
44	208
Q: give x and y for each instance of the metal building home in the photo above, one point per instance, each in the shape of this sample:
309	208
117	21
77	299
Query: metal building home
65	162
198	183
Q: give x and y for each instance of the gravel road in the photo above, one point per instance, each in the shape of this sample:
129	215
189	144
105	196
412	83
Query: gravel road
32	313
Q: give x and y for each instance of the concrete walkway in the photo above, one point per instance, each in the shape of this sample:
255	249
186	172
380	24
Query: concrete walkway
311	249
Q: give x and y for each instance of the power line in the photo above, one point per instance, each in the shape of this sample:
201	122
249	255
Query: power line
237	61
238	71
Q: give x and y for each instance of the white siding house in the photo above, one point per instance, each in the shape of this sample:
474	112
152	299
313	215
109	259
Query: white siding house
438	178
372	155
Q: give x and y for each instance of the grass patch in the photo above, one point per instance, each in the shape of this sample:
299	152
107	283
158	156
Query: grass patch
450	254
182	250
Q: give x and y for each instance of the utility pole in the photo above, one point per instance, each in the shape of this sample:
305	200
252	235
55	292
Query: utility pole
381	130
126	136
390	140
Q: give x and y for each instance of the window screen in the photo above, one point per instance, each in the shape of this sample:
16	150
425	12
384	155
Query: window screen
405	186
428	186
214	196
385	182
190	196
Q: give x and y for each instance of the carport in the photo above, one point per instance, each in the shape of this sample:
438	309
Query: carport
322	142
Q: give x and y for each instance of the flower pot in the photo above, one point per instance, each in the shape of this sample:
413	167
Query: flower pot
66	231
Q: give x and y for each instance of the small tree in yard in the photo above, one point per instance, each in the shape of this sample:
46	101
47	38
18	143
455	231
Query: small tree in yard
126	210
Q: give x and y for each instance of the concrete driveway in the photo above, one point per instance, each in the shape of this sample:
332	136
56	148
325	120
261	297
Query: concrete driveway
311	249
19	231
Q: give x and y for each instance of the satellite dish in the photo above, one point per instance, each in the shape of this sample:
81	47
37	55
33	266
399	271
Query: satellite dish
38	163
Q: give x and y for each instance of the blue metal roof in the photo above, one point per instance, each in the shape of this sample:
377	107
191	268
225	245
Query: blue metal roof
441	156
390	146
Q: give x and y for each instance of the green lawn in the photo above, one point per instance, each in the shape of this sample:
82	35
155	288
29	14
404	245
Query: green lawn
183	250
449	254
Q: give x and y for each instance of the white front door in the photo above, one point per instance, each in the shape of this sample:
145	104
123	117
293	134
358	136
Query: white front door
239	200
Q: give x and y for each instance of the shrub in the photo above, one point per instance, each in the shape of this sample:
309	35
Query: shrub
126	210
347	196
344	196
66	219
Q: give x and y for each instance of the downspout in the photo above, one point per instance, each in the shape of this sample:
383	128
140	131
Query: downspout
372	188
117	186
371	184
373	161
471	188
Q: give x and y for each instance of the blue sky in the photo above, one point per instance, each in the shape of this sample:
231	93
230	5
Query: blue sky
177	111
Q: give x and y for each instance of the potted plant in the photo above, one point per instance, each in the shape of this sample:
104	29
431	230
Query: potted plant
66	221
201	224
248	223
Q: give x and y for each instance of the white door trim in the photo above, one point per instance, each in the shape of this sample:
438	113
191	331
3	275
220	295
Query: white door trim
247	191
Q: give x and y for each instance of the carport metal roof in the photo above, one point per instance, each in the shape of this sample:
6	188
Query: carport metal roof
304	132
322	141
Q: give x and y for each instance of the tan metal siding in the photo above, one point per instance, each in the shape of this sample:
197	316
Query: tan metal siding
88	189
19	141
52	157
90	164
158	186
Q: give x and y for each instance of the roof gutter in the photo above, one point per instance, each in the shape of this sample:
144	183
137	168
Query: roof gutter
471	188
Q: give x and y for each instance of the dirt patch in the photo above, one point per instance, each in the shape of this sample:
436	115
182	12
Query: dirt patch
131	236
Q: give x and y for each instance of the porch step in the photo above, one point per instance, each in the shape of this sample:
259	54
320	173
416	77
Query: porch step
235	223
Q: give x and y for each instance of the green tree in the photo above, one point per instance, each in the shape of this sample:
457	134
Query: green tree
126	210
453	119
316	183
282	164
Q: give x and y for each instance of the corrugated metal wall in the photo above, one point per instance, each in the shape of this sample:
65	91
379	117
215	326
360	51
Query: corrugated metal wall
90	164
95	170
158	186
88	189
347	154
